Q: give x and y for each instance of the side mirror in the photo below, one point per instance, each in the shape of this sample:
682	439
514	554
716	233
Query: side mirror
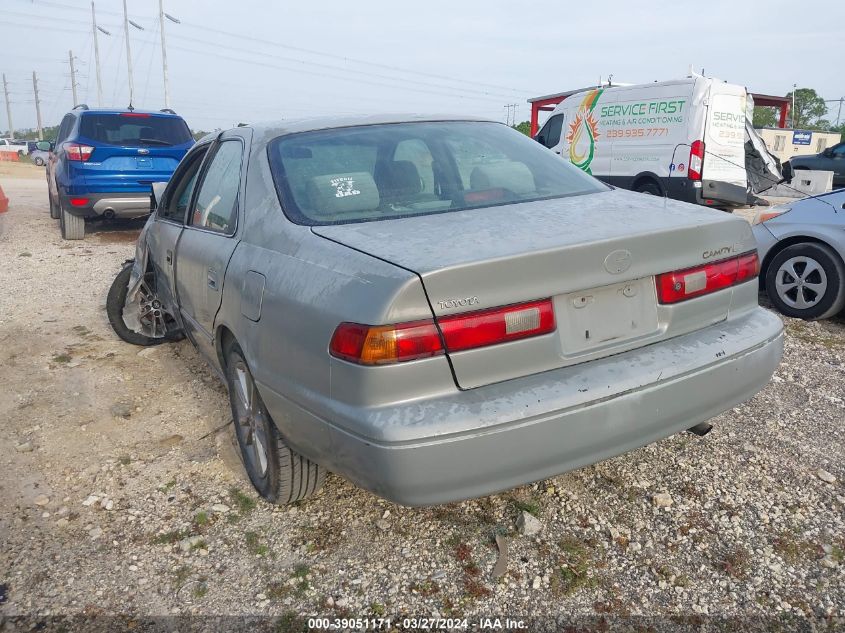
540	139
828	152
157	194
44	146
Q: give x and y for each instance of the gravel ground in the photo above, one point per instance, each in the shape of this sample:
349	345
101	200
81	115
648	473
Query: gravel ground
122	495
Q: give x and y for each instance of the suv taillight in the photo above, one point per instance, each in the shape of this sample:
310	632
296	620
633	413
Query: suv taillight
385	344
696	160
78	152
701	280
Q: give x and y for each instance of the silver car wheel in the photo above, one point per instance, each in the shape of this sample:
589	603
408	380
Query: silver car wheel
151	312
801	282
251	418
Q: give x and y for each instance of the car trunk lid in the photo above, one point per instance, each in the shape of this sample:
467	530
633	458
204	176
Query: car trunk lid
595	256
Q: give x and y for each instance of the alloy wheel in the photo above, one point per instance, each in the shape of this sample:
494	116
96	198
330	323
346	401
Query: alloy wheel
251	419
151	312
801	282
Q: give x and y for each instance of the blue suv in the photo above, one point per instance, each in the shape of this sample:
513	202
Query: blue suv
104	161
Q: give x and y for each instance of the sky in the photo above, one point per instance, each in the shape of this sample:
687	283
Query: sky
256	60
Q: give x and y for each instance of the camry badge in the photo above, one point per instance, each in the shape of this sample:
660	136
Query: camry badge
143	151
617	262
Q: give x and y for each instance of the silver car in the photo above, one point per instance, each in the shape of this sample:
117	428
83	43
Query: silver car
440	308
802	248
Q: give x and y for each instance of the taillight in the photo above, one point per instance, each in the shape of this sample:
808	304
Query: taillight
75	151
378	345
78	202
135	115
384	344
701	280
696	160
499	325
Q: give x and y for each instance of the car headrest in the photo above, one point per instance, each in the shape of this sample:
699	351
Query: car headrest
399	178
507	174
333	194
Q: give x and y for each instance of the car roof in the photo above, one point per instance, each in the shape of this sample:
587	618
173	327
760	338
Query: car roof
124	111
272	129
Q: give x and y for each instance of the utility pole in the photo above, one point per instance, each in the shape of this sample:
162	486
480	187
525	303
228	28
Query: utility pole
794	88
839	114
72	78
162	16
95	28
128	53
8	107
507	107
37	106
510	119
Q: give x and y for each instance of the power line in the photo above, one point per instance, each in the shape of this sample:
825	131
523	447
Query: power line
331	76
508	89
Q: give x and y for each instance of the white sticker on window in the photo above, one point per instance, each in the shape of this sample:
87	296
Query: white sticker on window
345	187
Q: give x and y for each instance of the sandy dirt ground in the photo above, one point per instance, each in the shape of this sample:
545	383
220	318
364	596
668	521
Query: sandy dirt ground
122	494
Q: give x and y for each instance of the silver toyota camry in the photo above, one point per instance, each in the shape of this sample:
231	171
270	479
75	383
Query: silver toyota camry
439	308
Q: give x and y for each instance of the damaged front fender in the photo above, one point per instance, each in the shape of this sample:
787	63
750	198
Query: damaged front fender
143	312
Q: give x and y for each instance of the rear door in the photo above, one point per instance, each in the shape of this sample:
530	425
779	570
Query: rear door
132	149
54	161
210	236
723	174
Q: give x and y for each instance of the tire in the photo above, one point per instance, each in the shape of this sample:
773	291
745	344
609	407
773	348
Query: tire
54	208
114	308
806	280
73	227
39	161
282	475
648	186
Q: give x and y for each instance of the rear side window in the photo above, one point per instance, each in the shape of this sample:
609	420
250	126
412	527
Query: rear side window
65	128
134	129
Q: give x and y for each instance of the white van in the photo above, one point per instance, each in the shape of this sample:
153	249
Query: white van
682	138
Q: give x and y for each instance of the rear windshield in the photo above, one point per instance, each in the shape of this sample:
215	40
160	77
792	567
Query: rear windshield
378	172
134	129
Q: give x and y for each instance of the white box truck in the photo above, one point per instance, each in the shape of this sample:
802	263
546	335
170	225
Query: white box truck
683	138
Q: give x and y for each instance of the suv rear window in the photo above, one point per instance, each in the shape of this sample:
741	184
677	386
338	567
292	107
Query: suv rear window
378	172
134	129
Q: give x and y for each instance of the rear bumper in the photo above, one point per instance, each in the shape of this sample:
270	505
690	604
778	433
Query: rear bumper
709	193
119	205
523	430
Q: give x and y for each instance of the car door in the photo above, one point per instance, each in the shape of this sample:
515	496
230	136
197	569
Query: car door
836	163
169	221
210	237
54	158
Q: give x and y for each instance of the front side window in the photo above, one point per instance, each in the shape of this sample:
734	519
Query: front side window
378	172
177	203
216	207
550	134
839	150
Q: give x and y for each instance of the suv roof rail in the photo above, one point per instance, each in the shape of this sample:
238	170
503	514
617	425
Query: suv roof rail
168	110
81	106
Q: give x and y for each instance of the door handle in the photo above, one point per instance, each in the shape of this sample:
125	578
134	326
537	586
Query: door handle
212	279
170	257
